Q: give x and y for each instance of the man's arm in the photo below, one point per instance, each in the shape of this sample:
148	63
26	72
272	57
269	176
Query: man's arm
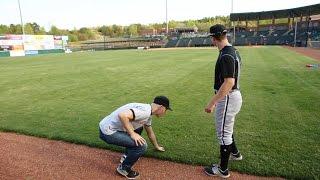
153	138
225	88
125	117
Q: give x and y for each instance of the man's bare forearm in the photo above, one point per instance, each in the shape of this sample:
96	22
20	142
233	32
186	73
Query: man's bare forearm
223	91
126	124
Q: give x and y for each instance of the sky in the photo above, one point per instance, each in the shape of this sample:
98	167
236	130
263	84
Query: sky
70	14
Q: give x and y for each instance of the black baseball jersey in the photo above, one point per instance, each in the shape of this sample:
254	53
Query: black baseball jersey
227	66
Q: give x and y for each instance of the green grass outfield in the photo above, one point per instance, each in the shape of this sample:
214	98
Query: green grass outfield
64	96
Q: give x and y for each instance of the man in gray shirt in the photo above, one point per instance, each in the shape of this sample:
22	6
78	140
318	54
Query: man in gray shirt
123	127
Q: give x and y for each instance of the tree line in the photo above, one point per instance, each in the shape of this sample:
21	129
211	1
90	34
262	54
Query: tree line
112	31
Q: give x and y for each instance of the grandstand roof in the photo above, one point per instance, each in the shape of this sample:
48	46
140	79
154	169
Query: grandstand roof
277	14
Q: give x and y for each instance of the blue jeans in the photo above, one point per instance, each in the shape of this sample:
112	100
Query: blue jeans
123	139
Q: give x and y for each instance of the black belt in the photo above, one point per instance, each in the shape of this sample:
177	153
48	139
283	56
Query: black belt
233	90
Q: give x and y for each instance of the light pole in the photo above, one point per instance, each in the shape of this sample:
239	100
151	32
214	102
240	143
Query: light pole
308	29
167	30
22	26
295	32
234	28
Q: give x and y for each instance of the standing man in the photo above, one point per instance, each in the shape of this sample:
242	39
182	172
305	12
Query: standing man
123	127
227	100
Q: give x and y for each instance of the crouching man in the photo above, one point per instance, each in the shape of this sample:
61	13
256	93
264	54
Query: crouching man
123	127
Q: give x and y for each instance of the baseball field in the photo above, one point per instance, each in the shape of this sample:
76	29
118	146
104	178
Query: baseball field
64	96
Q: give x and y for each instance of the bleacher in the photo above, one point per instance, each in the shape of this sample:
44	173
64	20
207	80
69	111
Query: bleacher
308	29
308	26
279	35
172	43
195	41
276	36
183	42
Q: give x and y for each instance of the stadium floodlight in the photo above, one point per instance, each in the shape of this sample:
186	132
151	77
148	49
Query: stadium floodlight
22	26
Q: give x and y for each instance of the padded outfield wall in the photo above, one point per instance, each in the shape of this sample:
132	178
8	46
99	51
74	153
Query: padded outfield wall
25	45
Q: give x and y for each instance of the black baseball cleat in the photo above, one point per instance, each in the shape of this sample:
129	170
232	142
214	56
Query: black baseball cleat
235	157
129	174
215	170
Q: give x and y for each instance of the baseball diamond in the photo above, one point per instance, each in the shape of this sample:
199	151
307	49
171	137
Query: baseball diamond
159	90
269	78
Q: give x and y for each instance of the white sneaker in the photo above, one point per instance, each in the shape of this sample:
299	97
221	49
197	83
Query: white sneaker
123	157
236	157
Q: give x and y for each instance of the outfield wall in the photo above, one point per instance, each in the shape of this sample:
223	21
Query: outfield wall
4	53
27	45
314	44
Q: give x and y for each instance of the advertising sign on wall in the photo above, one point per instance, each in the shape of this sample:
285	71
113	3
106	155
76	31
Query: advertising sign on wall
38	42
20	45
